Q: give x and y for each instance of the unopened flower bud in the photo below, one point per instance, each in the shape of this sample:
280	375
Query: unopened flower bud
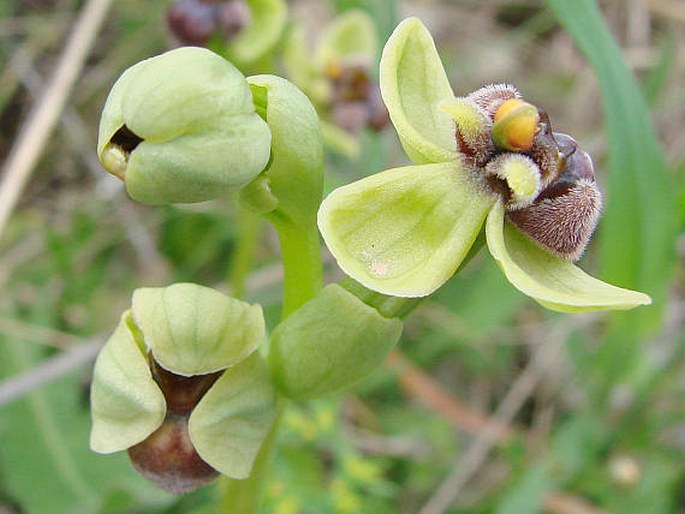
232	17
181	127
192	22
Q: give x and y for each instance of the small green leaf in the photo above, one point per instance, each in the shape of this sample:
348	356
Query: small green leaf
414	84
404	232
229	424
551	280
194	330
261	34
329	344
126	403
352	37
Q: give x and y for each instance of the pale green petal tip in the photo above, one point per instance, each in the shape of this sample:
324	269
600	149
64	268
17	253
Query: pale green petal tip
404	232
126	403
551	280
261	34
230	423
194	330
413	85
351	38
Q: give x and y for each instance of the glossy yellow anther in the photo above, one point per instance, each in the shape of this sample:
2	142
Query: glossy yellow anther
516	123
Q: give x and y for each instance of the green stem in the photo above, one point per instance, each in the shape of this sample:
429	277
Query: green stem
249	224
303	277
302	266
244	496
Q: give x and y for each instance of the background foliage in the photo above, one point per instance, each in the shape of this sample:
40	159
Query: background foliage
508	408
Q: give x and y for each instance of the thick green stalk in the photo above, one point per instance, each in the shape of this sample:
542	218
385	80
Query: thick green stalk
249	224
302	267
303	276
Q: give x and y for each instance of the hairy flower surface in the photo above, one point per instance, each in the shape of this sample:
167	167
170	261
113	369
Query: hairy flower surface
490	160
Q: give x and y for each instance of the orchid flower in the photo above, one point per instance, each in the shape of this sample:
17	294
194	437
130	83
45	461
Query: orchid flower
487	160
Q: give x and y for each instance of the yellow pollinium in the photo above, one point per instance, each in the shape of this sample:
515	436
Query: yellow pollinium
516	123
114	159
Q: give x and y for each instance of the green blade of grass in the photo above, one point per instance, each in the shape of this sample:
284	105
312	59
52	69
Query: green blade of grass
637	233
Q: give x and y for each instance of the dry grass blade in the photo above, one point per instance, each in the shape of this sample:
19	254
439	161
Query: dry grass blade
43	117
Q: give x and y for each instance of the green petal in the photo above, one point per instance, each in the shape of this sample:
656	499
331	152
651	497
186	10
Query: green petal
186	90
550	280
193	330
352	37
199	167
414	84
126	403
233	418
261	34
404	232
329	344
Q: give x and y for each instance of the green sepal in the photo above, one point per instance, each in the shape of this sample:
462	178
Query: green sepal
295	175
261	34
194	330
350	38
549	279
330	343
126	403
200	135
229	425
404	232
414	85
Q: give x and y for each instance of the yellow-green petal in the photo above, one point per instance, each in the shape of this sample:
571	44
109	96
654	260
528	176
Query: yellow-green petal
261	34
551	280
193	330
126	403
350	38
230	423
414	85
404	232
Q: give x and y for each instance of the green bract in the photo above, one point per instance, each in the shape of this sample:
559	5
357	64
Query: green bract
189	331
330	343
181	127
404	232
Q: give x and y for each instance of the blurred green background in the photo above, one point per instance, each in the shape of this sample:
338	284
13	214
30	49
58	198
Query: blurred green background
590	407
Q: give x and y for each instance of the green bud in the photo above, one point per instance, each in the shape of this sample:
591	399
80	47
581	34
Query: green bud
329	344
181	127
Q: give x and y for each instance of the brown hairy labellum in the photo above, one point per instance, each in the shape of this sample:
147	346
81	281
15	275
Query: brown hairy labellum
565	214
